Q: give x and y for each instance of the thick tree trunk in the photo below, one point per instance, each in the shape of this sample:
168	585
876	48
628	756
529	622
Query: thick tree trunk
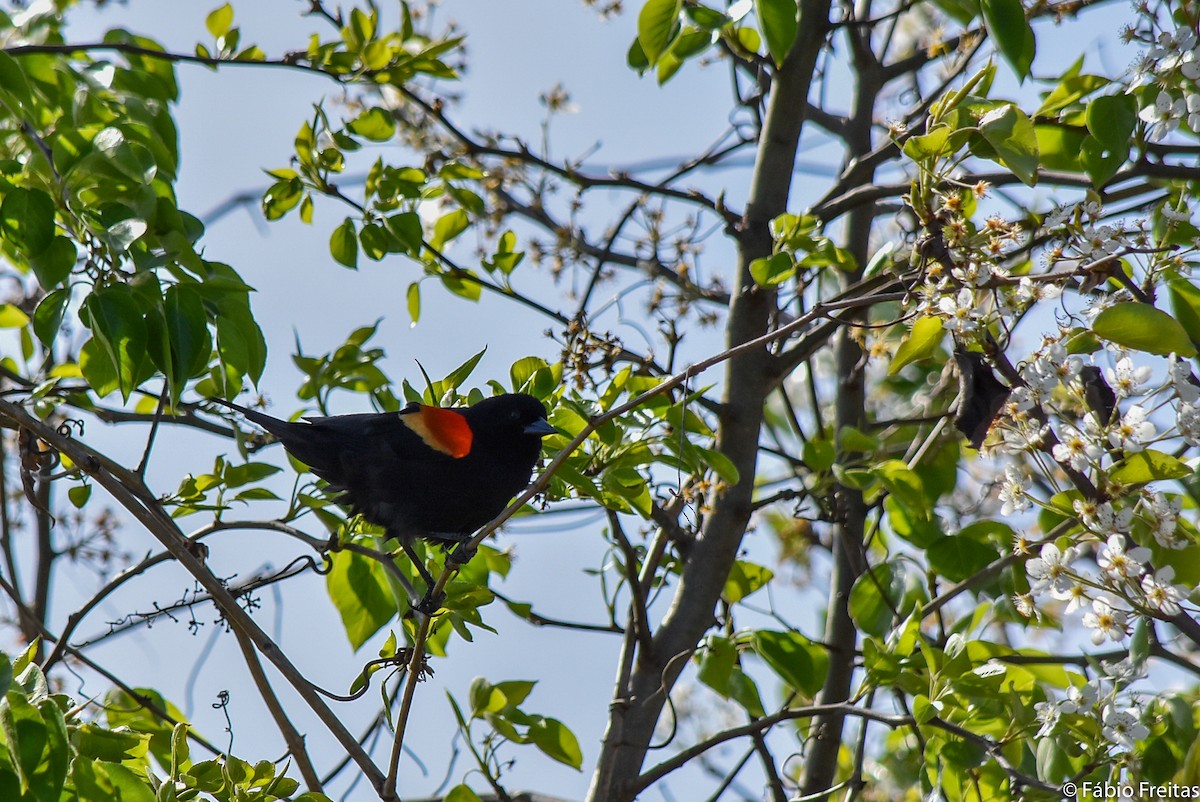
638	703
841	635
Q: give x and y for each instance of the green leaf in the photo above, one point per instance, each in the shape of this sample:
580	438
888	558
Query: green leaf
1099	161
744	691
27	219
343	244
721	464
1010	132
773	270
187	331
240	342
1059	147
1052	762
797	660
657	21
706	17
818	455
459	282
238	475
377	242
118	325
878	597
903	485
460	374
53	265
12	81
635	57
219	20
957	557
1069	91
375	124
778	20
100	780
79	495
1014	38
524	369
449	226
1185	303
406	226
1150	466
124	233
557	742
97	743
744	578
748	39
97	368
11	317
359	590
462	793
1143	328
932	145
922	342
716	664
413	297
1111	119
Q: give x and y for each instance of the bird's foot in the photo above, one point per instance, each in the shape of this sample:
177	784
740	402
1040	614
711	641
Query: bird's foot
430	603
461	555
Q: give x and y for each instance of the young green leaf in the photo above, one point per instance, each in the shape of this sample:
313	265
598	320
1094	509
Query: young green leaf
657	23
778	20
1143	328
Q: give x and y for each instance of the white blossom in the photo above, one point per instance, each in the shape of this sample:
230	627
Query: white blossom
1127	379
1023	602
1133	431
1048	713
1105	621
1183	215
1029	291
1084	695
1187	420
1163	117
961	314
1099	242
1118	563
975	274
1076	596
1123	672
1077	451
1013	491
1164	514
1051	570
1161	594
1182	380
1109	522
1122	728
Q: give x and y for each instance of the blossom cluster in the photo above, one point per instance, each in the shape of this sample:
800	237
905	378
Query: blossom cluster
1106	698
1170	62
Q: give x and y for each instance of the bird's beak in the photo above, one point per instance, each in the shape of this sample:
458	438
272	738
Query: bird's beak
541	427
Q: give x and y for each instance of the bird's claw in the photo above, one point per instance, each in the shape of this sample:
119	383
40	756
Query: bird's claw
430	603
461	555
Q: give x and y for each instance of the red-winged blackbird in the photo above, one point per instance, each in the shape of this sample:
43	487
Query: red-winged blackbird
423	472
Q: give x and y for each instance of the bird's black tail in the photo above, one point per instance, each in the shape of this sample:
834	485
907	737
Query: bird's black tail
273	425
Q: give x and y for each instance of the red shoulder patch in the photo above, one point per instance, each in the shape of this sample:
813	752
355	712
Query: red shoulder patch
444	430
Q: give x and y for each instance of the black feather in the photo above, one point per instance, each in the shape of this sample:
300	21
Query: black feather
980	396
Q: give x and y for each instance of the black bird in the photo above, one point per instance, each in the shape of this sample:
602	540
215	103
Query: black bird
981	396
1098	394
424	472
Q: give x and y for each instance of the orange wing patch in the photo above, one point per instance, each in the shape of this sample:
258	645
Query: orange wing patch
443	430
